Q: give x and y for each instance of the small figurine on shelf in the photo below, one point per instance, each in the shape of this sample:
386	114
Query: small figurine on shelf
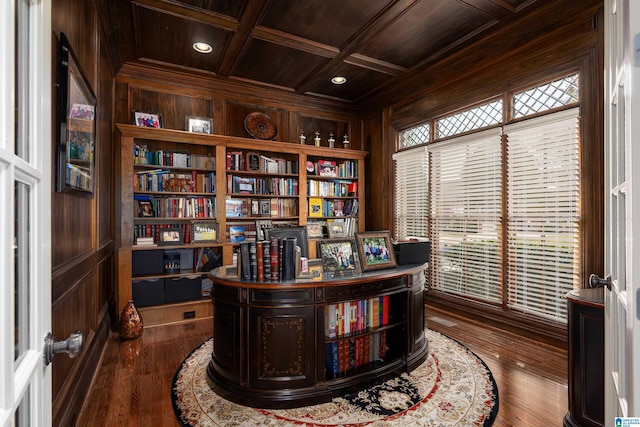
317	139
302	138
345	141
331	140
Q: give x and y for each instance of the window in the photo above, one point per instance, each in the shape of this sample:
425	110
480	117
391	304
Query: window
504	207
543	216
466	199
411	193
415	136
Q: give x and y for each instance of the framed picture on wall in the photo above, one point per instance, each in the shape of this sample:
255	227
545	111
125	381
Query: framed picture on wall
77	126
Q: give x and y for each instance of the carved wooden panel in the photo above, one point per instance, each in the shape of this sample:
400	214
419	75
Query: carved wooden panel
283	345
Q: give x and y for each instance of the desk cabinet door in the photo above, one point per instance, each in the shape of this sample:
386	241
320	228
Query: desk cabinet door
281	347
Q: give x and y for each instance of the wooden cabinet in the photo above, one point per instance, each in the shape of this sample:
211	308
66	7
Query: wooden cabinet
170	180
586	358
273	348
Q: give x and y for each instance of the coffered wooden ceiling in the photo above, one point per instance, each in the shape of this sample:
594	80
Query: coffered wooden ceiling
299	45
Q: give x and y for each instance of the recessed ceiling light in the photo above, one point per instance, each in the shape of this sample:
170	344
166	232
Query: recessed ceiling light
202	47
339	80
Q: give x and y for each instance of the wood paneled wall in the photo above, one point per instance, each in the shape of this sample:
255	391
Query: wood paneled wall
82	228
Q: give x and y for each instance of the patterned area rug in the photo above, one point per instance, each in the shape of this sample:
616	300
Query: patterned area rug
453	387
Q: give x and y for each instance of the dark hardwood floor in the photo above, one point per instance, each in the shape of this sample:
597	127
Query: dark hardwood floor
132	386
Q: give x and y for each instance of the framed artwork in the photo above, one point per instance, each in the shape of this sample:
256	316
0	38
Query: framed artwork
77	126
145	209
204	232
198	124
170	236
375	250
337	229
315	230
265	207
146	119
339	258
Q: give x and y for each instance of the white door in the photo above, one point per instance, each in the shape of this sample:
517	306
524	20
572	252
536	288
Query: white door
622	171
25	206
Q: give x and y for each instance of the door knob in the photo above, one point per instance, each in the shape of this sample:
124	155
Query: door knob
72	346
596	282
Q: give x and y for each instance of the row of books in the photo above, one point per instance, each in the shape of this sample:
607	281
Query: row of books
149	234
318	207
176	207
251	161
355	317
331	188
330	168
270	207
249	185
348	354
269	260
160	180
143	156
78	177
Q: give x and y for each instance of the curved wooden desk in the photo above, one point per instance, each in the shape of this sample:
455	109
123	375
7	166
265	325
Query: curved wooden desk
271	348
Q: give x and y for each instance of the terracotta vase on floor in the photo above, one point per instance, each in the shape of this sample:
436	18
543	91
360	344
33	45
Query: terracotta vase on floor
130	322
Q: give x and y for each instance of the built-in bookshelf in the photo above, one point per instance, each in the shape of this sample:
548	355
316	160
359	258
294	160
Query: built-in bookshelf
170	183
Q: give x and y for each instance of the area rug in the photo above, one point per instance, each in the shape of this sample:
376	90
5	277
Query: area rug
452	387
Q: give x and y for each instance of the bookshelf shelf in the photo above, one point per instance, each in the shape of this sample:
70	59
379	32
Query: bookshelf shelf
269	316
149	157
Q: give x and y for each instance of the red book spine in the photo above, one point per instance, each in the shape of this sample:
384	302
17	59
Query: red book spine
385	310
260	259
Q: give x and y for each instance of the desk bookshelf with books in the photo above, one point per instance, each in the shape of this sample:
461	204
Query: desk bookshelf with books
339	335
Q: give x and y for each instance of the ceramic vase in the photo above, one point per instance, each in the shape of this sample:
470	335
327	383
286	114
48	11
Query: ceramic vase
130	322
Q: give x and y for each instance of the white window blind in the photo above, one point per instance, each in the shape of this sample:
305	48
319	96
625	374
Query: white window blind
543	213
465	215
411	192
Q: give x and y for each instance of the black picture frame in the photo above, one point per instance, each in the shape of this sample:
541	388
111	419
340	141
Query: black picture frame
170	236
339	258
77	110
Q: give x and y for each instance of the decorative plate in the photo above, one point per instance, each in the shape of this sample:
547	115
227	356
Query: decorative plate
260	126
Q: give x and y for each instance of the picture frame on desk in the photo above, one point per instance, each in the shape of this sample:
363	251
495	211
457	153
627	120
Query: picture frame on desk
375	250
170	236
339	258
198	124
146	119
204	231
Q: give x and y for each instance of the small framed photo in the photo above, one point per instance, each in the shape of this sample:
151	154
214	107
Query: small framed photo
198	124
253	162
145	208
261	225
315	230
337	229
375	250
339	258
146	119
204	232
265	207
170	236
